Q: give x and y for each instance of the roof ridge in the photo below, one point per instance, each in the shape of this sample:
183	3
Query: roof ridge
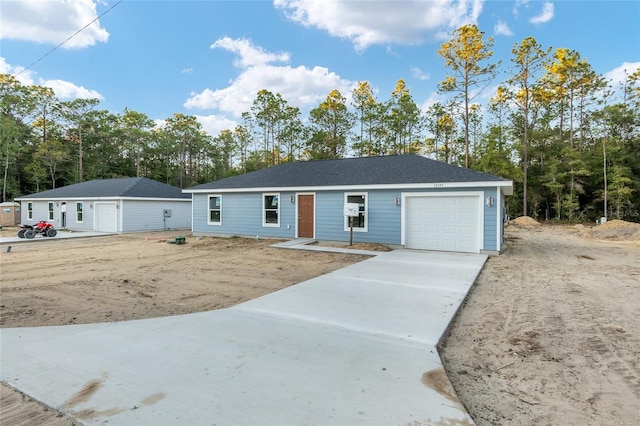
135	182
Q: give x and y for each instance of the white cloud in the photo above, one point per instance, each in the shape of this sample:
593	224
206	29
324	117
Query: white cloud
186	71
26	78
299	86
64	90
214	124
501	28
517	5
48	21
379	22
248	54
618	75
545	15
419	74
433	98
67	90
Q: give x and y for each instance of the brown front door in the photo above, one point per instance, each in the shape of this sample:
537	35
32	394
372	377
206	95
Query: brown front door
305	216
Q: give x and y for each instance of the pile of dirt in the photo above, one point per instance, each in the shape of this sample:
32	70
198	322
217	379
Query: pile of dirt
617	230
524	222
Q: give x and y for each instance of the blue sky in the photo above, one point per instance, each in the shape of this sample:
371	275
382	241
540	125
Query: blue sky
209	58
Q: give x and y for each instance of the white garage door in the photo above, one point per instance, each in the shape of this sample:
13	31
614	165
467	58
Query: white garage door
106	218
445	223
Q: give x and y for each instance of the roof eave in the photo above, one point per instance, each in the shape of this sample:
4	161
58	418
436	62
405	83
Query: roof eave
507	187
107	198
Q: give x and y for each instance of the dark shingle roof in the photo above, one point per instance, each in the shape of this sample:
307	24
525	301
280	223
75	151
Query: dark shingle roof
384	170
136	187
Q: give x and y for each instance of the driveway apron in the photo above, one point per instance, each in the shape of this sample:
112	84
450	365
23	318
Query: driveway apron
356	346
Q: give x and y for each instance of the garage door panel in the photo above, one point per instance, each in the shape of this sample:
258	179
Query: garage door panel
105	217
468	231
450	216
448	223
433	215
434	204
449	230
449	245
467	217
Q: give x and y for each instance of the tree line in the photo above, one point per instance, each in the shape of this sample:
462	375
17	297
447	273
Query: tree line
568	139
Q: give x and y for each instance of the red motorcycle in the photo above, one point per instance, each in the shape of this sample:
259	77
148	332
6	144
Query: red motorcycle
43	228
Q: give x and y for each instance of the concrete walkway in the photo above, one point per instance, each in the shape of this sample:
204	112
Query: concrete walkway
60	235
356	346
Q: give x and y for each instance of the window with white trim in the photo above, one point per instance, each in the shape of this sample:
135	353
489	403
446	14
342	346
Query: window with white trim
29	210
215	210
50	211
270	209
360	223
79	211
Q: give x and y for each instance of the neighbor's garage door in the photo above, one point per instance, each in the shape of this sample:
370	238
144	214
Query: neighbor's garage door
447	223
106	218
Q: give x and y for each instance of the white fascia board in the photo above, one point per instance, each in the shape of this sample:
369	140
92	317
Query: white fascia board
508	185
71	199
507	188
103	199
186	200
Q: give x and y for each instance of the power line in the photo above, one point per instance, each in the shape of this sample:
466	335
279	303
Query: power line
69	38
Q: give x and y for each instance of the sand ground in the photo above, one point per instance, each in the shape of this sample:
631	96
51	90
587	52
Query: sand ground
548	335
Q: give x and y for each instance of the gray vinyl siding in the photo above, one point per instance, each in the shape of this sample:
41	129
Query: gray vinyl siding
142	215
490	220
41	212
383	217
87	216
503	214
137	215
242	215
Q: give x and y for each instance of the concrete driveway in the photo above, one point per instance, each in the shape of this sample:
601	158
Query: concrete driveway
356	346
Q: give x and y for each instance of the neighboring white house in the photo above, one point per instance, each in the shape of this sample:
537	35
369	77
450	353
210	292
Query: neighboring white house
405	200
110	205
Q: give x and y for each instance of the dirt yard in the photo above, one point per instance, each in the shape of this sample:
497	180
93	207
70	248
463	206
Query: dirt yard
548	335
125	277
550	332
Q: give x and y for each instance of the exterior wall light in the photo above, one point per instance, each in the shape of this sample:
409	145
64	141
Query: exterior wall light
397	201
293	199
490	201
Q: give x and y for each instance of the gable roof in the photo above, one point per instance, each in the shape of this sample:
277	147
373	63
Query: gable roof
364	171
135	187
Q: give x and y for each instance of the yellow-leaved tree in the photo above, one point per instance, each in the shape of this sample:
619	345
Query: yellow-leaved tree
465	55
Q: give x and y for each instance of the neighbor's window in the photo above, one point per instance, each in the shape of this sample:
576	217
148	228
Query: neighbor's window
79	208
215	210
50	211
271	210
360	222
30	211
